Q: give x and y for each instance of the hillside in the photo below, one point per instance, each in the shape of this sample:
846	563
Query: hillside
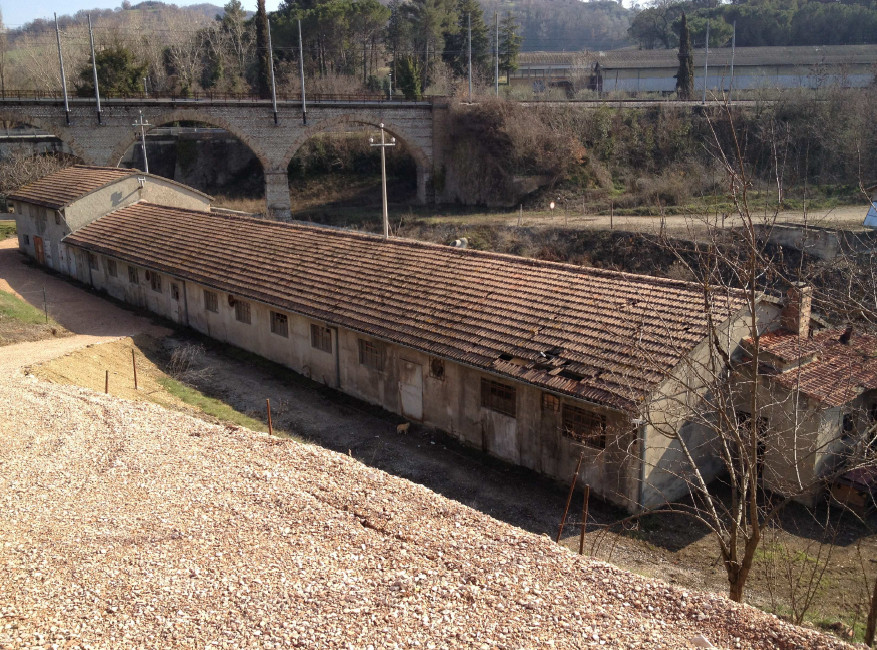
125	525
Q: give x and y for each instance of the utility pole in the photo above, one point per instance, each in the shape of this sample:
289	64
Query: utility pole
383	145
301	70
94	68
63	76
706	59
469	29
733	47
496	53
271	68
142	124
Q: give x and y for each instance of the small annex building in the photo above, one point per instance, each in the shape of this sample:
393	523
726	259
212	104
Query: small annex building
537	363
52	207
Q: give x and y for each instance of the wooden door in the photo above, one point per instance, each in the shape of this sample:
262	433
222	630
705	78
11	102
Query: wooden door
39	250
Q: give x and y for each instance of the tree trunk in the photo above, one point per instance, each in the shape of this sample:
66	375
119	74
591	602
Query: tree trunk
872	618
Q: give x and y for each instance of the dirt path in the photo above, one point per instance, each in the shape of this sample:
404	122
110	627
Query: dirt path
92	319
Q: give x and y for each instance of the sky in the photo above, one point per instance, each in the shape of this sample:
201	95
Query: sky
18	12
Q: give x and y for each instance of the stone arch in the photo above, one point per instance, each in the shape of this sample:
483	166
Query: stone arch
49	127
190	115
421	159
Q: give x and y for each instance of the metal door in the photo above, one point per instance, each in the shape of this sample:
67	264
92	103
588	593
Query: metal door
411	389
39	251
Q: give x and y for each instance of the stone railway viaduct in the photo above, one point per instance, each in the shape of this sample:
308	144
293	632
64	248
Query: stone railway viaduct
421	125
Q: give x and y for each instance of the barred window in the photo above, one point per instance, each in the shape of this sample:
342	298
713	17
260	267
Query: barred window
498	397
175	291
279	324
132	275
155	281
437	368
211	301
26	239
242	311
584	426
371	354
111	268
550	402
92	261
321	338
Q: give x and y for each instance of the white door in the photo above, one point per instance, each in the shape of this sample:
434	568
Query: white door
411	389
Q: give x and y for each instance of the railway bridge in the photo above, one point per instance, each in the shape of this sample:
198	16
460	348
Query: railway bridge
102	139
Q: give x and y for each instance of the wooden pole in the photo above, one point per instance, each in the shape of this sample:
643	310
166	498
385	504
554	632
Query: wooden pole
134	363
270	426
45	306
611	215
107	382
572	488
584	519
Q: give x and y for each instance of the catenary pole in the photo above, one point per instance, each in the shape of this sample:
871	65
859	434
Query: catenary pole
271	68
733	47
63	75
301	70
94	68
496	53
706	59
469	30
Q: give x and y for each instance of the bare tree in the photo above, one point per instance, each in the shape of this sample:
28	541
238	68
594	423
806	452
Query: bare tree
21	167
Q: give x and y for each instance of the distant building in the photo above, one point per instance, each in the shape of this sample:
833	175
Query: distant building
648	71
534	362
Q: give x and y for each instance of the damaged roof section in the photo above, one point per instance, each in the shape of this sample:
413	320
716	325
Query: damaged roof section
603	336
832	366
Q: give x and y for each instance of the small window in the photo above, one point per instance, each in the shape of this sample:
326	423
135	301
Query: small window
211	301
371	354
321	338
175	291
132	275
111	268
550	403
155	282
92	261
279	324
57	219
242	311
437	368
849	425
498	397
26	239
584	426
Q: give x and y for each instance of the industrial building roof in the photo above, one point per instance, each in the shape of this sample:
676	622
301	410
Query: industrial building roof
823	366
602	336
798	55
58	190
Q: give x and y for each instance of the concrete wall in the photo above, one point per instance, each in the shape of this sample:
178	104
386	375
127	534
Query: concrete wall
449	399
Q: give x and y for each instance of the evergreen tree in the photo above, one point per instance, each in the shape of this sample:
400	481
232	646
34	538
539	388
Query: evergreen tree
685	75
509	43
118	73
263	62
409	79
456	52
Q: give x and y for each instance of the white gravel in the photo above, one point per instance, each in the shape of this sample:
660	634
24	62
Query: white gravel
123	525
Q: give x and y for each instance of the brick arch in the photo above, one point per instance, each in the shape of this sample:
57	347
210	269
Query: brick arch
59	132
421	160
189	115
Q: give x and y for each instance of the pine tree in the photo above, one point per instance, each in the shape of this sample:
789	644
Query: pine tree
456	52
263	62
685	75
409	78
509	44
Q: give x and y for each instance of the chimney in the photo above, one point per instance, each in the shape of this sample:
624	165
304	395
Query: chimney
795	316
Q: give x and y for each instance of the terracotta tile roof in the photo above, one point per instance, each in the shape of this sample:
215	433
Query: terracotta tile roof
63	187
837	374
603	336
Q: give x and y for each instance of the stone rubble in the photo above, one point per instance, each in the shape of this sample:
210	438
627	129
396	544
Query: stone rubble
123	525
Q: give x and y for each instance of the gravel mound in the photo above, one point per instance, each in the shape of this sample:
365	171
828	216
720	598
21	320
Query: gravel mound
123	525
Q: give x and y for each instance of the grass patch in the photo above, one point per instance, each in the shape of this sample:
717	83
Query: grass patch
210	406
7	229
14	308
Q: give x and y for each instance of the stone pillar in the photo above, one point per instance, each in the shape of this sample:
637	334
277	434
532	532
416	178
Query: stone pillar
424	186
277	195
